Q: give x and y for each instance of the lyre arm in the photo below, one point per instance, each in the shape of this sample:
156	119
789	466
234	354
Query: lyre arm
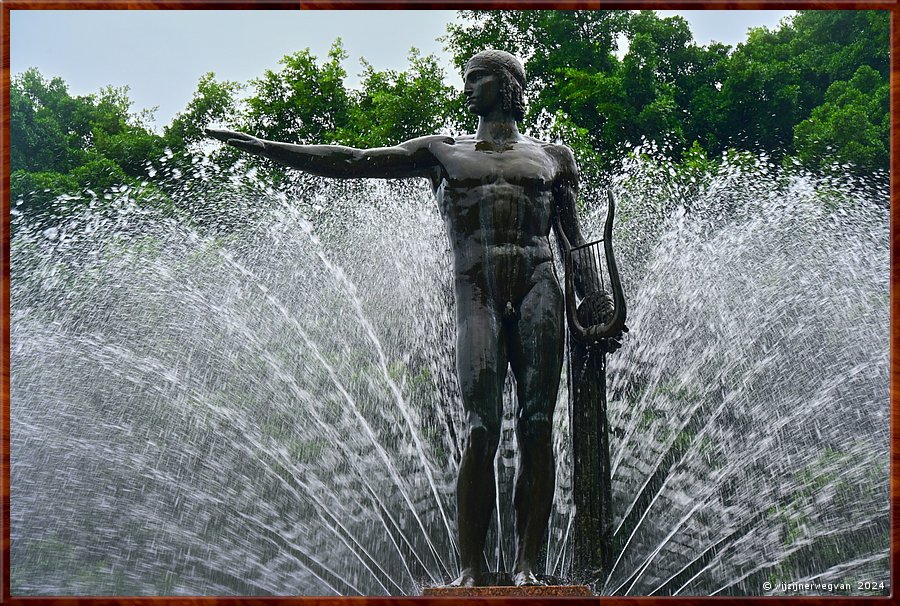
615	325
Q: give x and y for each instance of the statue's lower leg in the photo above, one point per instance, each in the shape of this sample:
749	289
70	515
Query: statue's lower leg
535	482
475	497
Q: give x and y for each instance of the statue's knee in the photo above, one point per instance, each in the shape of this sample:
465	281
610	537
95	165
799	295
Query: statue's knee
483	439
535	430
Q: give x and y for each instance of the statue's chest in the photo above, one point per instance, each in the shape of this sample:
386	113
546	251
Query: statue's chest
528	168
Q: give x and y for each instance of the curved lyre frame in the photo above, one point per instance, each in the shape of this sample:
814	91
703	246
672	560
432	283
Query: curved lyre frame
596	333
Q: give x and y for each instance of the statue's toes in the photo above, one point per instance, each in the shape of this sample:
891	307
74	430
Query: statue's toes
466	579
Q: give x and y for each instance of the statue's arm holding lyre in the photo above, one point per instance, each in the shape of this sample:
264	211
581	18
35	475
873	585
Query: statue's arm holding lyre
565	193
597	304
410	159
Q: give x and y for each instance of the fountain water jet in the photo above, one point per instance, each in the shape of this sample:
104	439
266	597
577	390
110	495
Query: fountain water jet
228	401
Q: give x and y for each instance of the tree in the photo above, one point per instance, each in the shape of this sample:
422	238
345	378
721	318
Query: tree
60	144
212	102
851	127
48	128
698	93
761	93
574	74
305	102
396	106
814	87
832	45
123	136
777	80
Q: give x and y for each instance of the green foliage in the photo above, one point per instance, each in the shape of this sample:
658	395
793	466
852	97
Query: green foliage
599	99
760	100
777	94
307	102
814	88
559	47
130	149
397	106
573	70
831	45
61	144
99	173
550	41
213	102
304	102
47	126
39	187
851	127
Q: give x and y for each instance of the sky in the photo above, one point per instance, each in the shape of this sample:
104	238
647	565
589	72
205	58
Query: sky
161	55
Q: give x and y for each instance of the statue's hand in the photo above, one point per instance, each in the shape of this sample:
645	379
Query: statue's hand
243	141
613	343
596	309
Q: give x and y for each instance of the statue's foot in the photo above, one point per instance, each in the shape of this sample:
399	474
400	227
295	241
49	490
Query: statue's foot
526	578
467	578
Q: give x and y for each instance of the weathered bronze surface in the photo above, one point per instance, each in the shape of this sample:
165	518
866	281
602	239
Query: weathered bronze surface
500	193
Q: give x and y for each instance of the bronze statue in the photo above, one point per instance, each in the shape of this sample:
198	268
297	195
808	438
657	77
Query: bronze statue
499	193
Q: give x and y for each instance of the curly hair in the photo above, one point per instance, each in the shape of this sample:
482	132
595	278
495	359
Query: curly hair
512	78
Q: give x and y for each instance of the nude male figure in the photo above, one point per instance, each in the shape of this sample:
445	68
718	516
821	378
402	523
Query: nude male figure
499	193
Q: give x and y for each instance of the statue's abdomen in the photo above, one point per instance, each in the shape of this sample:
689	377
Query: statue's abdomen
498	234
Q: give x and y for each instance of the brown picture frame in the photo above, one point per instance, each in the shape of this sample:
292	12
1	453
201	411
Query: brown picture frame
10	5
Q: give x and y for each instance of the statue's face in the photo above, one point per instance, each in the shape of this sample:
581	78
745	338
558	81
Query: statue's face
482	90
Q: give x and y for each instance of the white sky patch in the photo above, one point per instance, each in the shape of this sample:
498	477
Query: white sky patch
727	27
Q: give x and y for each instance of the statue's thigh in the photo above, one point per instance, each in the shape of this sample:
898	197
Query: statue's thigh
481	361
536	348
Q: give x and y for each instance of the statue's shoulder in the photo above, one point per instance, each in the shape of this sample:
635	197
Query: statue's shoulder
563	153
566	165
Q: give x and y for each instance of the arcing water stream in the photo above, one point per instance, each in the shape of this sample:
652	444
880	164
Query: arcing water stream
256	395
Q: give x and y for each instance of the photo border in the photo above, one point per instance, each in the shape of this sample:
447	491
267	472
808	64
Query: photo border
6	6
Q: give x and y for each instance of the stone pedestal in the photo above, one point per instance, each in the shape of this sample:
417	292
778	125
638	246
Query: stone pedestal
510	591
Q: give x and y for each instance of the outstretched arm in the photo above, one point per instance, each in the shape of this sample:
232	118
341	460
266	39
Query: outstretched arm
413	158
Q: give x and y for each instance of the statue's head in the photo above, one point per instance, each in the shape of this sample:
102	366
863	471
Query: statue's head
511	75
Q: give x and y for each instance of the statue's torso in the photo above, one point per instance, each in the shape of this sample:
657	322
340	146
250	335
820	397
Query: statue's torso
497	205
